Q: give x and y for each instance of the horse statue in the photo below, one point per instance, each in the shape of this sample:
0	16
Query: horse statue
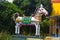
36	19
18	22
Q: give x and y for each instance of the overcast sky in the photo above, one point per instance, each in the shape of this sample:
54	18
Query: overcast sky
10	1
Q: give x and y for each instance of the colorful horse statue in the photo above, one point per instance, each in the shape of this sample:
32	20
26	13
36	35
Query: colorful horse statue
36	19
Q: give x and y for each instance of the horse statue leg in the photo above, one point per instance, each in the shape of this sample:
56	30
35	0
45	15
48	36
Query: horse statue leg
17	28
16	19
37	26
37	29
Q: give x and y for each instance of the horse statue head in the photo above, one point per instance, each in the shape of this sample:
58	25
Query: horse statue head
42	11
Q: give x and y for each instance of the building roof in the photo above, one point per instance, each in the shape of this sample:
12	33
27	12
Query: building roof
55	1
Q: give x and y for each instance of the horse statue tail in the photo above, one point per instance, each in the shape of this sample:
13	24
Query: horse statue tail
15	17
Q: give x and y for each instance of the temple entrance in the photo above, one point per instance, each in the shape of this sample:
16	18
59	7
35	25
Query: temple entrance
55	26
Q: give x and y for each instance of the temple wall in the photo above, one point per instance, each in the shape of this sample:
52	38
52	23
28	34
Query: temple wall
59	31
55	12
52	25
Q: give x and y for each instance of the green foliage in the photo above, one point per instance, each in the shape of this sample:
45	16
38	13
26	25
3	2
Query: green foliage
45	26
11	6
6	12
45	23
31	5
27	5
4	36
25	2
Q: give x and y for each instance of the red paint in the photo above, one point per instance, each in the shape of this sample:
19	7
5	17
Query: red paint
55	1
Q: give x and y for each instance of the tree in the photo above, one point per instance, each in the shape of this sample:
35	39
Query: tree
27	5
45	26
6	13
31	5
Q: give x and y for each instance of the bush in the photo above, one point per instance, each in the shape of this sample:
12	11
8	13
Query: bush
6	12
4	36
45	27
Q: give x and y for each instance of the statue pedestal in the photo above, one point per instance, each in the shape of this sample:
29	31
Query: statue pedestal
21	37
17	37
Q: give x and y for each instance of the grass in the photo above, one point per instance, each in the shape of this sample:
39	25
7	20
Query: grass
4	36
7	36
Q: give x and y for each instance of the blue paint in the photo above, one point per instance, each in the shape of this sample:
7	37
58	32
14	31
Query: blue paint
23	38
50	29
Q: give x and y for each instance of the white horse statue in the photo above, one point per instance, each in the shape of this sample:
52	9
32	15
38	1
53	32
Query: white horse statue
36	19
18	22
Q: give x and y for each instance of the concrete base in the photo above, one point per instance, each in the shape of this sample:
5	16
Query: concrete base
52	38
25	36
34	39
55	35
22	37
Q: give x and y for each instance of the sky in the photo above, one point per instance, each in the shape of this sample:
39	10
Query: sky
10	1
